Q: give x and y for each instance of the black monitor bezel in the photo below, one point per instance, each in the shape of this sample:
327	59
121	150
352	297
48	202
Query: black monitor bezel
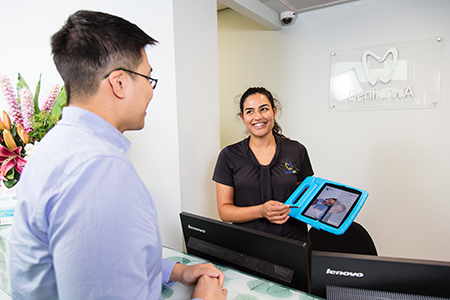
268	247
390	274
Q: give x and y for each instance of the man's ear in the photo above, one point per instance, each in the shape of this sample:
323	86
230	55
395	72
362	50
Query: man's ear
117	82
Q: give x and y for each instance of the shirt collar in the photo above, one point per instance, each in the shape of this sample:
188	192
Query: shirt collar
76	116
252	156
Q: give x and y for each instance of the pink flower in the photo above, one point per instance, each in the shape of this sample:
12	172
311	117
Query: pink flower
10	159
26	100
10	96
51	99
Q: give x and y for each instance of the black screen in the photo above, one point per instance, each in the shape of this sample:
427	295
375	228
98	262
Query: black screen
268	256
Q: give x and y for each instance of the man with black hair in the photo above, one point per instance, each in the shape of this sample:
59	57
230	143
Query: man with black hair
85	225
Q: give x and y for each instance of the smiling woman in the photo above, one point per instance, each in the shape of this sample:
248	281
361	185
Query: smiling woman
251	179
258	115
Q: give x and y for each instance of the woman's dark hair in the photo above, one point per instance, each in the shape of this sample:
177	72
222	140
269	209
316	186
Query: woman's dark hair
276	130
91	44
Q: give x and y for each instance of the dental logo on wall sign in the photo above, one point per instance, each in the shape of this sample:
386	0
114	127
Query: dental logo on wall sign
404	75
381	69
390	57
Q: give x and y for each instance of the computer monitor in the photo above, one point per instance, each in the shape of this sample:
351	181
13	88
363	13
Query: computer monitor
268	256
400	275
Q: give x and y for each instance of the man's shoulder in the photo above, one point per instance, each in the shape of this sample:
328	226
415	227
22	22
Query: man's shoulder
69	149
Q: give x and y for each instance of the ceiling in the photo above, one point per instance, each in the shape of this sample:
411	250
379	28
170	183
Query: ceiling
300	5
266	12
294	5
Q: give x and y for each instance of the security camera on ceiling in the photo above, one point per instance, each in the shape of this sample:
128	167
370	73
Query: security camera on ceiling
287	17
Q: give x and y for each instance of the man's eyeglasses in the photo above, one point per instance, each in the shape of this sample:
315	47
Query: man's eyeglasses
153	81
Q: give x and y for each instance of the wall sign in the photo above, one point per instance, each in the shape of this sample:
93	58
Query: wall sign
394	76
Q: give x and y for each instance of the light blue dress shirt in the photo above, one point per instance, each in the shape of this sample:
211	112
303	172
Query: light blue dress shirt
85	225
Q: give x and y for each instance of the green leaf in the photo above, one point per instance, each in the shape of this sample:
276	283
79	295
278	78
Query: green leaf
10	183
36	95
279	291
221	268
245	297
21	83
166	292
10	174
258	285
60	102
181	260
13	177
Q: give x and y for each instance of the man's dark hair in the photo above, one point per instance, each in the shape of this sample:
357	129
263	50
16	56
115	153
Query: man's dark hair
90	45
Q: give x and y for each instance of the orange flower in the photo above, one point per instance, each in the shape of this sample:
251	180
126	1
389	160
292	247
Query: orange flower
9	140
22	134
6	120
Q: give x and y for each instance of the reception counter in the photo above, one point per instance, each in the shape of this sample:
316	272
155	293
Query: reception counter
240	286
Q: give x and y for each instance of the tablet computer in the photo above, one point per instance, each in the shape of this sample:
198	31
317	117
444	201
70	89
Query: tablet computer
326	205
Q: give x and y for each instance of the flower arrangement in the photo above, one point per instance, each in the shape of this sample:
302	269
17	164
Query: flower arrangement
25	126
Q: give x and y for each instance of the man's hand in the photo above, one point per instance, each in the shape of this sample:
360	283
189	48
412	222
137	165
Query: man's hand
208	278
189	275
209	288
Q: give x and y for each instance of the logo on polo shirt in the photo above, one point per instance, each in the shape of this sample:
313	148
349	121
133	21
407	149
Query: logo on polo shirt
290	168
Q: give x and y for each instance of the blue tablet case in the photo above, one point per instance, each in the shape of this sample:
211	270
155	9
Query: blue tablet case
326	205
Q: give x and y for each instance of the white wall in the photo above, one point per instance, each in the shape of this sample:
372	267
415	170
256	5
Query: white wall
401	157
198	102
176	181
181	137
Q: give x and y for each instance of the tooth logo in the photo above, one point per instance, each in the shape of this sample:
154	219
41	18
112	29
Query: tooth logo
390	58
288	166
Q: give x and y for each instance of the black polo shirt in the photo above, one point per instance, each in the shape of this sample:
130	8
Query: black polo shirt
255	184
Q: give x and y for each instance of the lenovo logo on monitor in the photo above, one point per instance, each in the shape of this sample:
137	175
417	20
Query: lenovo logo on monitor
196	229
344	273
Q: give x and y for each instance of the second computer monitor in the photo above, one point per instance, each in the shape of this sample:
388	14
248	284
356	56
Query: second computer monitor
377	273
